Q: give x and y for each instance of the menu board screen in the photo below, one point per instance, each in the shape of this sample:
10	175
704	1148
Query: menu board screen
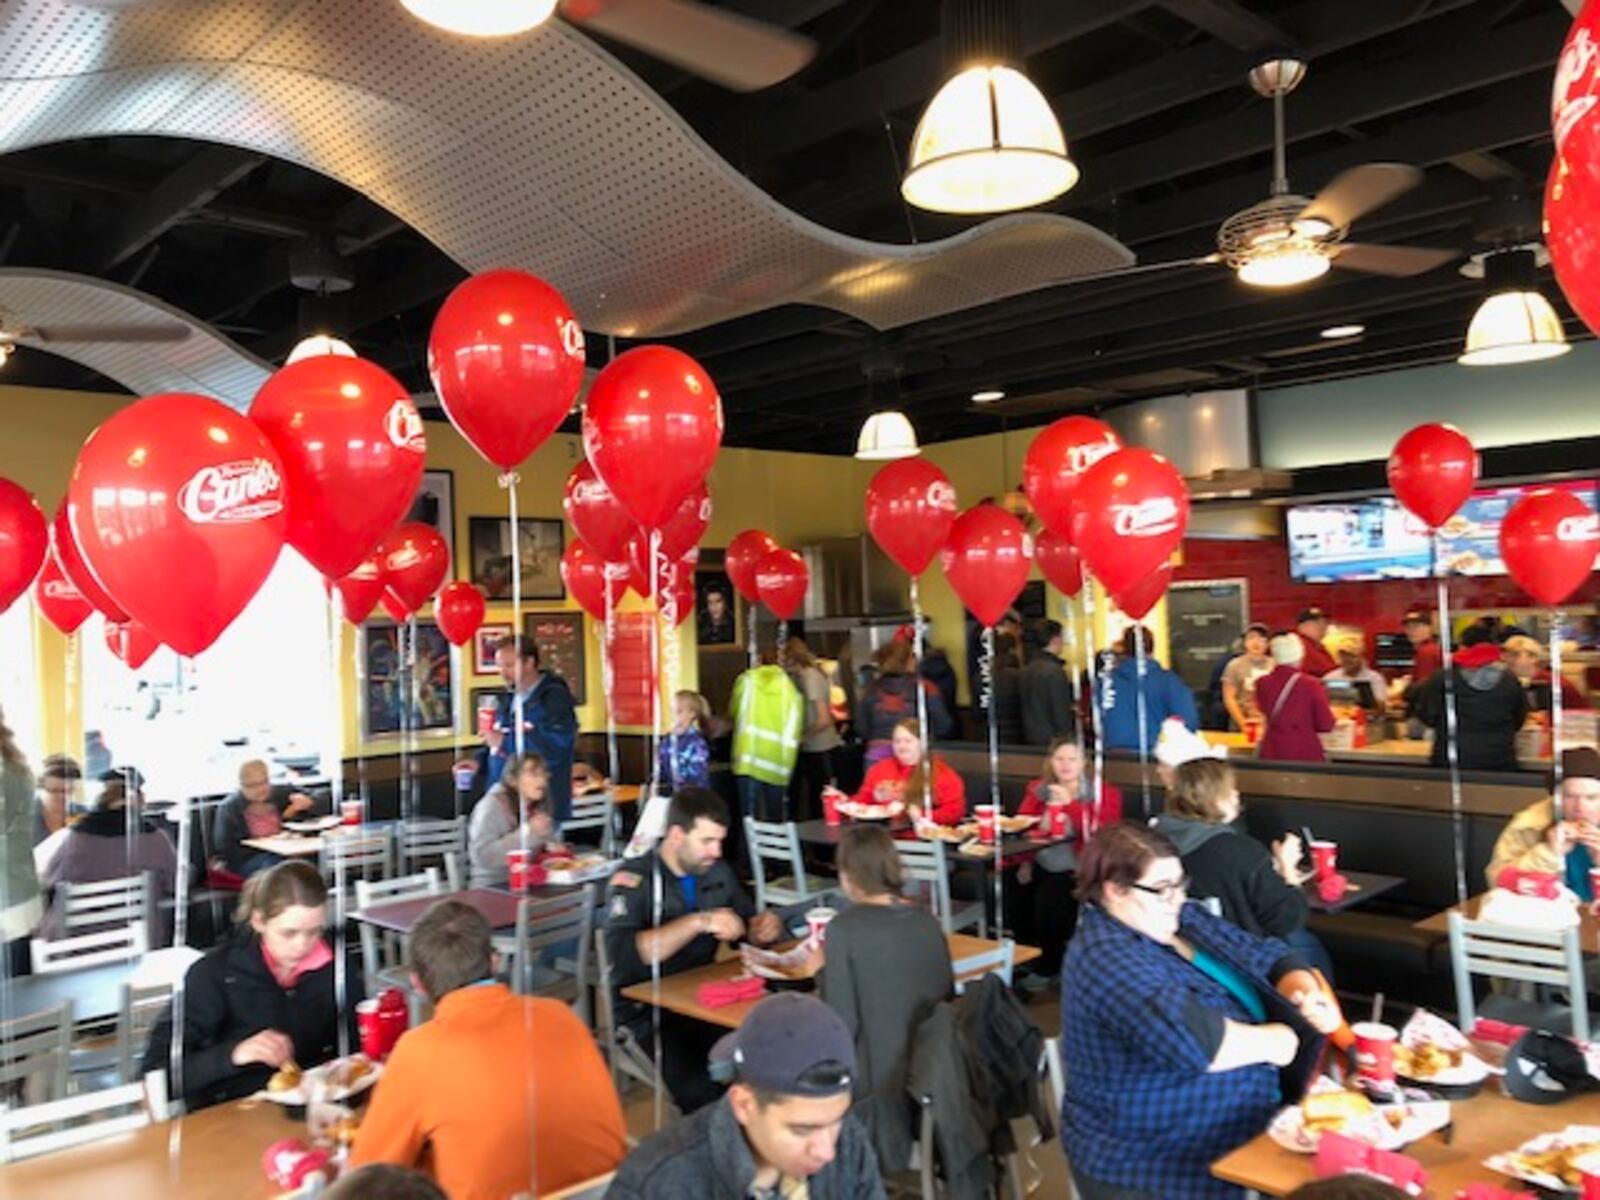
1377	539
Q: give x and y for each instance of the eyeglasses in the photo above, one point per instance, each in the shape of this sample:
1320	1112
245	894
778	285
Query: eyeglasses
1165	892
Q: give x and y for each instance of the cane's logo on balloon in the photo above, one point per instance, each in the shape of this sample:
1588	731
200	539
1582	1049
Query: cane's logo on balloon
1578	529
1574	92
61	589
403	424
232	493
1080	458
406	556
366	570
1149	518
572	338
942	495
590	491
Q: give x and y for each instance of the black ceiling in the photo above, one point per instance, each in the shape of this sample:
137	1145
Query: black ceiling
1152	97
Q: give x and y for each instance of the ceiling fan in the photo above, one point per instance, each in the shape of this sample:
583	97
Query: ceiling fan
728	48
15	332
1288	239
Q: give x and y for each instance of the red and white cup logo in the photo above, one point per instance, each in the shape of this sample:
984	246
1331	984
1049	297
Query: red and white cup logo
1324	858
817	922
1375	1045
985	815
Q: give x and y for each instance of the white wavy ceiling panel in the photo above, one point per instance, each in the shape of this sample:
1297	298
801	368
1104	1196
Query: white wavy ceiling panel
204	362
541	152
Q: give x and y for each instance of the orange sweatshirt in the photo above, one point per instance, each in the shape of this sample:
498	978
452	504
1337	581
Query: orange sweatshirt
949	793
452	1101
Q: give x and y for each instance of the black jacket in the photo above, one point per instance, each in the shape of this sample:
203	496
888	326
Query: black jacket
936	669
704	1157
1046	700
1231	866
1490	707
890	699
1008	704
230	995
229	829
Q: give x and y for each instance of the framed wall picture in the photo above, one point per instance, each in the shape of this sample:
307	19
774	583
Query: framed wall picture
390	690
716	609
539	547
435	507
559	637
483	644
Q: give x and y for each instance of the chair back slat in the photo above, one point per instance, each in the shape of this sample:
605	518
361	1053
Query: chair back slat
72	1121
36	1051
89	949
554	922
383	950
138	1011
1489	950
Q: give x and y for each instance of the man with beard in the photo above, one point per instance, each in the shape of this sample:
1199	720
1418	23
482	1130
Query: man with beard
673	906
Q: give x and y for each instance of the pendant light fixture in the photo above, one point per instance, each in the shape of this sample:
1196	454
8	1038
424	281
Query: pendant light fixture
988	141
482	18
887	435
1515	323
317	345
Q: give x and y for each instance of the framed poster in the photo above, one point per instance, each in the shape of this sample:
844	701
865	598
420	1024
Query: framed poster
632	672
1204	619
559	637
716	609
435	507
483	646
539	547
389	690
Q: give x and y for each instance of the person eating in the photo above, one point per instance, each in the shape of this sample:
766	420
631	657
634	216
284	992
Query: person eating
496	1094
1535	840
264	1003
700	906
784	1129
256	810
512	815
1175	1025
904	776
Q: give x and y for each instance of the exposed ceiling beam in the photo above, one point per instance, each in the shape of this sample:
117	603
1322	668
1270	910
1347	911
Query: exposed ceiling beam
914	75
200	180
1231	22
1485	166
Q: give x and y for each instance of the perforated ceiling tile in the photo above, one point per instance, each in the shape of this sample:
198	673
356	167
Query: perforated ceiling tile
204	362
541	152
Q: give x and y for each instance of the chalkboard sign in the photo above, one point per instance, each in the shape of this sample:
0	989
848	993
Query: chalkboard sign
1204	619
559	637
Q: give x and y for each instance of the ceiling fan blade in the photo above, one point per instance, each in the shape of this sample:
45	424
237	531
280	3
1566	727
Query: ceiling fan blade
736	51
1400	262
1171	264
1358	191
109	333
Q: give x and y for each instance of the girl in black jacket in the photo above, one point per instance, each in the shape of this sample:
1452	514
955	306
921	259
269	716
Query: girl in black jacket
264	997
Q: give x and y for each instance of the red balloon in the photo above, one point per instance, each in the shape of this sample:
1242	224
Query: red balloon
1433	469
24	541
1572	194
587	575
687	525
131	642
353	447
178	504
743	556
1056	462
1548	541
651	427
986	561
1129	514
360	591
415	559
676	593
910	508
458	609
59	599
395	606
1059	562
1142	596
781	579
595	515
70	559
506	357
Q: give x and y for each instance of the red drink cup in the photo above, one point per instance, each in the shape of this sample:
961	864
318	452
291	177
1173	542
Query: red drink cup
817	921
985	815
1324	858
518	864
1058	815
350	812
1252	731
1588	1168
369	1022
290	1163
830	807
1594	894
485	720
392	1022
1375	1053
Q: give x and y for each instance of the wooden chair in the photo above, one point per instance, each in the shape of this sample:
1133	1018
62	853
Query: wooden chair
926	863
60	1124
594	811
88	949
382	952
36	1054
1545	957
439	843
779	841
999	961
552	922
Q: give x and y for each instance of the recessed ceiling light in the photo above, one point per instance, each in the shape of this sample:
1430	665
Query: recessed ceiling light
988	397
1333	332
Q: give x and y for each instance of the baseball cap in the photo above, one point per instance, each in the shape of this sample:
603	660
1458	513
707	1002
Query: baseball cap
792	1045
1521	643
1416	617
1311	614
1545	1068
1580	762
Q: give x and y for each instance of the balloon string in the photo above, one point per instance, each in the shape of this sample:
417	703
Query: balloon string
1452	733
365	699
1097	775
922	701
655	666
656	902
1144	734
341	985
180	928
750	633
413	701
671	661
509	482
336	726
608	672
457	734
995	811
1555	708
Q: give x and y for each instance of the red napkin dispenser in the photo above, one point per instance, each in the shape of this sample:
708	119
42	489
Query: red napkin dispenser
1340	1155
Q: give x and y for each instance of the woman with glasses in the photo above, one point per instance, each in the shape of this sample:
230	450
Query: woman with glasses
1176	1026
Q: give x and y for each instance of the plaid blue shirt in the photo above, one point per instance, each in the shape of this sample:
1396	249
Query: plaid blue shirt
1140	1025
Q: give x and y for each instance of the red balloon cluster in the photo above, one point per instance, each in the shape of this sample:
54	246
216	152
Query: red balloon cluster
64	546
360	591
59	599
24	541
585	573
744	555
1057	461
1572	193
1548	541
131	642
1433	469
459	610
911	506
781	581
595	515
986	560
1059	562
414	560
1129	513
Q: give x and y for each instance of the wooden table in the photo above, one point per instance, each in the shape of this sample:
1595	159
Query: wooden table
678	991
1364	886
219	1155
1588	926
1487	1124
309	845
498	908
